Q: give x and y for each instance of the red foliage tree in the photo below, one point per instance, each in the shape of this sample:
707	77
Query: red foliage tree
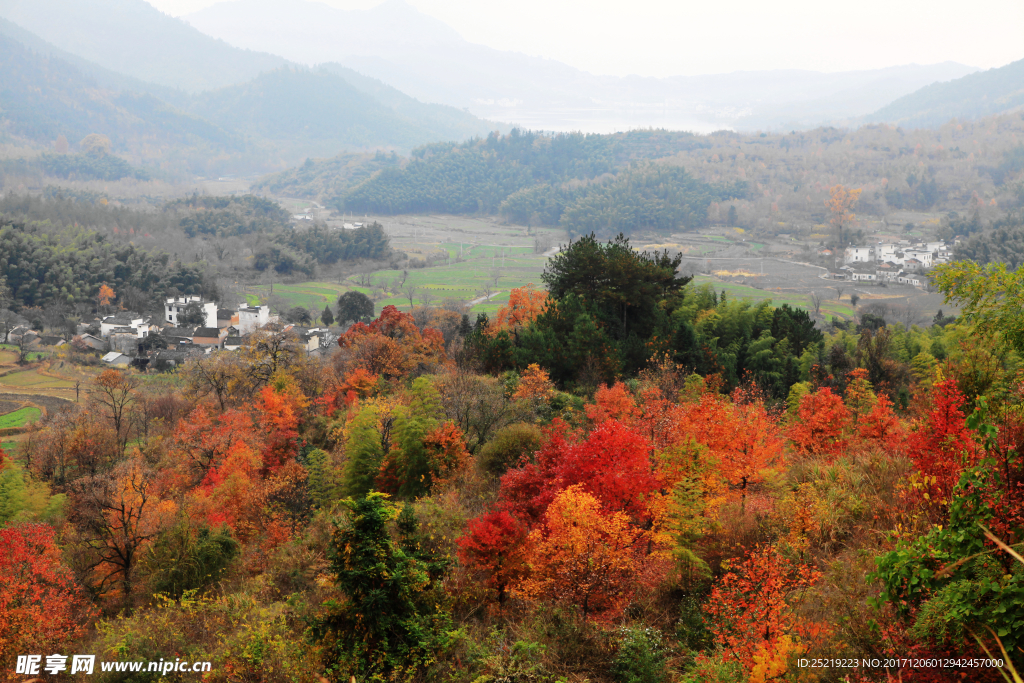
611	464
40	604
494	545
823	420
881	425
943	445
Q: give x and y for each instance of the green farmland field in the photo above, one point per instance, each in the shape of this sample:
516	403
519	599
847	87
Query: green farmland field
20	417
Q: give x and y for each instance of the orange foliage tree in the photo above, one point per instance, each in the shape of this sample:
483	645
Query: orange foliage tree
583	556
741	434
201	441
447	457
106	295
40	603
117	516
523	307
614	403
278	411
390	346
534	385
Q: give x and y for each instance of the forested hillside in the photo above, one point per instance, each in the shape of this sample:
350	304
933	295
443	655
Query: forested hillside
641	198
94	166
541	177
661	181
277	118
42	269
1002	243
319	178
309	112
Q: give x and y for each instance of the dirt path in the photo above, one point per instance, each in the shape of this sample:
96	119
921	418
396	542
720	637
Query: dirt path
481	299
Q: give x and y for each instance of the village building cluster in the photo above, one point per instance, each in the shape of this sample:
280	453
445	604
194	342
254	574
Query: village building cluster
129	338
902	262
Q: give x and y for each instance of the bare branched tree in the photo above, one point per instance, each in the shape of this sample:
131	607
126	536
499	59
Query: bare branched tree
815	303
909	314
410	290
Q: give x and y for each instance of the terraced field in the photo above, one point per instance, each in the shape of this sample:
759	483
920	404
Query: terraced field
33	379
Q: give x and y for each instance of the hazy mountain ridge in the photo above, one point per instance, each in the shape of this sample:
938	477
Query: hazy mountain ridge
134	38
46	97
308	112
985	93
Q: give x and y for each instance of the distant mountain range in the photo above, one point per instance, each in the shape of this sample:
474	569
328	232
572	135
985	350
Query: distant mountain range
248	111
195	95
427	59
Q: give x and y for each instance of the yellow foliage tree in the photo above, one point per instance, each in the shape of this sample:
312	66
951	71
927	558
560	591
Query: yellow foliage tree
535	385
584	556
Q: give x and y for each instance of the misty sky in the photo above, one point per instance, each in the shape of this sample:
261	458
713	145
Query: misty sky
683	37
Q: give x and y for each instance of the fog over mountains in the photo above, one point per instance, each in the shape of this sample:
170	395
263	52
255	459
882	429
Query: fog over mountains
427	59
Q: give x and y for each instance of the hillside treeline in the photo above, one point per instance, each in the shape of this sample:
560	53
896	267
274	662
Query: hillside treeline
1001	243
773	183
648	197
229	216
59	247
300	251
74	167
320	178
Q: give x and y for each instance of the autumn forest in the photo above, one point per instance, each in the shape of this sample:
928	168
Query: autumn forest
622	478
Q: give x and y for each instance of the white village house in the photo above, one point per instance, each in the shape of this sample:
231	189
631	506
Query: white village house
176	305
251	318
125	320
